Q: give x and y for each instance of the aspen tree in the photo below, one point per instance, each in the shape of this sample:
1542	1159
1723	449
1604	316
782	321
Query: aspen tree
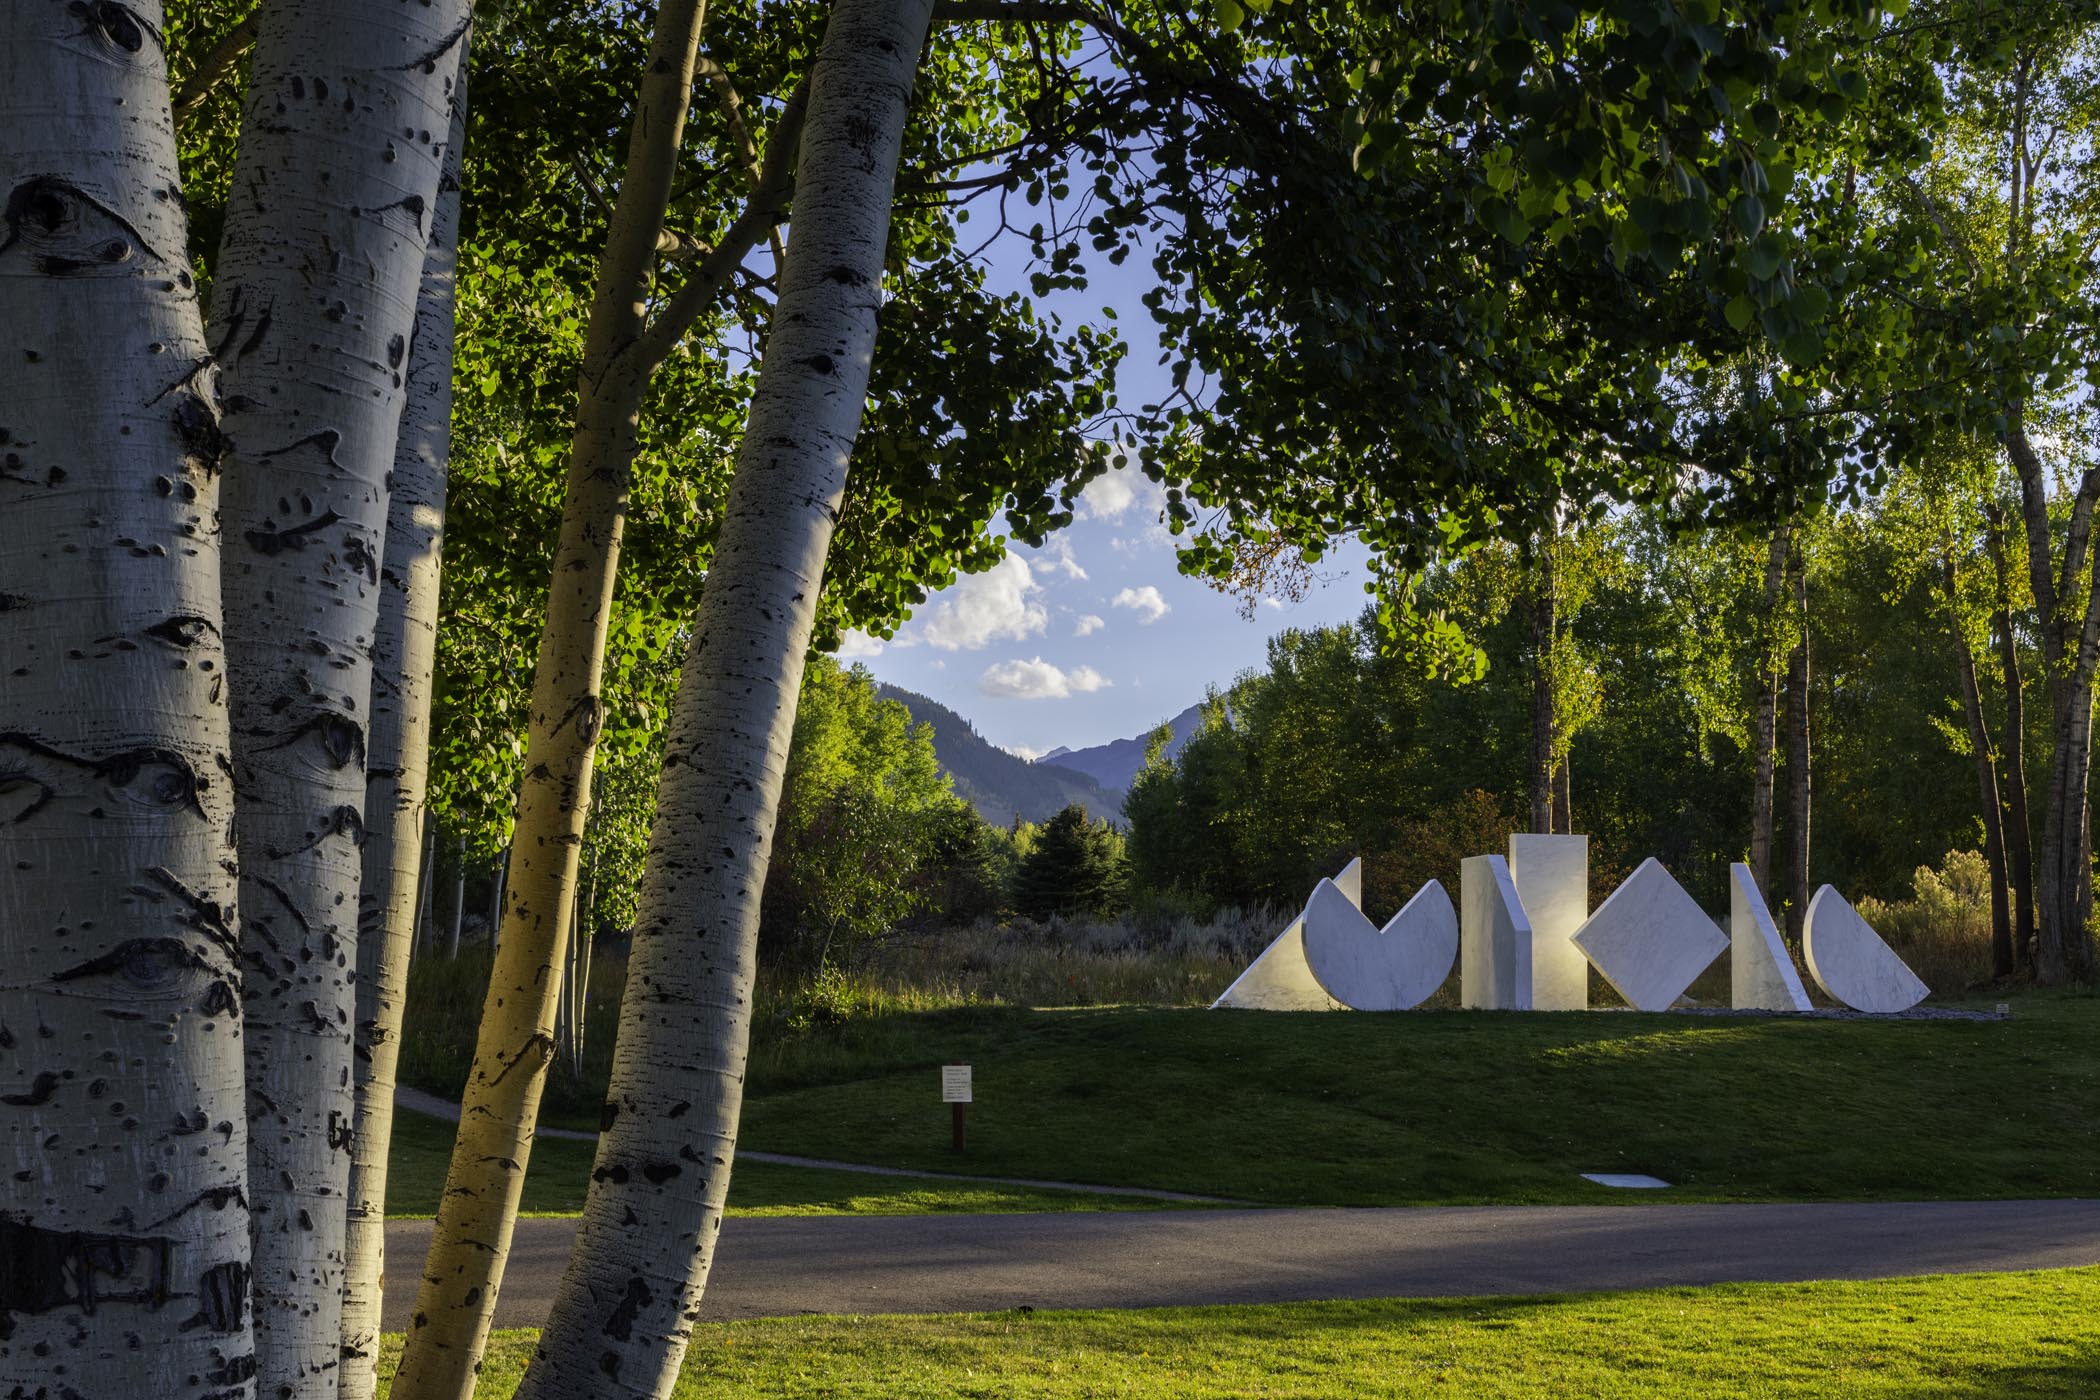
124	1250
343	130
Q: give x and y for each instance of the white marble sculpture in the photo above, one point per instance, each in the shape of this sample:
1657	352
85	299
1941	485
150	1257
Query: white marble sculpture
1650	939
1279	979
1761	971
1552	877
1494	972
1851	963
1367	968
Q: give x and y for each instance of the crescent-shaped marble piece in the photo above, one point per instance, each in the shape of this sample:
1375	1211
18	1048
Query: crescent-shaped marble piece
1367	968
1850	962
1278	979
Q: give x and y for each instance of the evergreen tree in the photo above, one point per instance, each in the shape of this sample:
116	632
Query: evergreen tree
1076	867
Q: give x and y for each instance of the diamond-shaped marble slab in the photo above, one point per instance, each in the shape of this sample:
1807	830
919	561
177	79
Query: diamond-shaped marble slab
1367	968
1849	960
1650	939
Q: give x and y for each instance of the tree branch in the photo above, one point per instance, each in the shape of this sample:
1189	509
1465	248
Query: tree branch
213	68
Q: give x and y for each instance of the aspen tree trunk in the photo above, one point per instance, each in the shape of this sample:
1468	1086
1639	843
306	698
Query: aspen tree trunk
427	872
1767	720
2070	650
1564	796
621	1319
2019	833
463	1271
313	306
459	898
1984	755
124	1249
1543	627
404	653
1797	758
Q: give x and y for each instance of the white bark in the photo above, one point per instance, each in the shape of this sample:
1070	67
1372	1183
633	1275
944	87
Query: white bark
337	173
124	1246
404	653
623	1314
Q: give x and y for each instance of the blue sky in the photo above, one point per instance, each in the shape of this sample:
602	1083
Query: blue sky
1096	636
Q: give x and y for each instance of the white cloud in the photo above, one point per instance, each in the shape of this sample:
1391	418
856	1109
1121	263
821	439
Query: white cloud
1269	602
1056	558
1108	495
1145	602
1037	679
1003	603
857	644
1088	624
1023	751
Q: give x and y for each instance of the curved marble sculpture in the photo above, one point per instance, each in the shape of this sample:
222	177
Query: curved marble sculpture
1650	939
1279	980
1761	971
1367	968
1494	973
1552	878
1850	962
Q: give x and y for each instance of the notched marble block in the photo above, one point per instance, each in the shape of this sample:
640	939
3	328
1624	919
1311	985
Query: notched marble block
1850	962
1367	968
1650	939
1494	971
1760	970
1278	979
1552	876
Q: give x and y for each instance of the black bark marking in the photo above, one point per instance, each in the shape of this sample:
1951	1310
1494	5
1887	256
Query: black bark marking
342	739
153	778
262	328
182	631
616	1174
267	541
412	204
146	963
338	1132
212	920
847	277
428	62
45	208
620	1325
822	364
204	445
119	27
536	1046
216	1197
587	713
606	1114
396	351
344	820
657	1173
43	1269
36	1095
222	1298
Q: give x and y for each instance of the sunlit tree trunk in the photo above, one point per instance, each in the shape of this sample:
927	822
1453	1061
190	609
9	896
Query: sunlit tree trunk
404	653
463	1272
1797	755
1543	626
313	307
1984	756
2019	835
1766	720
124	1249
623	1314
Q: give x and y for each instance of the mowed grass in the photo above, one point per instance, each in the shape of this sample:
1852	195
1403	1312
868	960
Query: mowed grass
561	1168
1973	1337
1455	1108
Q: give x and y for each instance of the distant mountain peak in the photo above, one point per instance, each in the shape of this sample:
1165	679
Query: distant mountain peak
1002	785
1116	764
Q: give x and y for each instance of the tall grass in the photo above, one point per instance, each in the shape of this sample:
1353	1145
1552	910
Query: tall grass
1944	929
1166	959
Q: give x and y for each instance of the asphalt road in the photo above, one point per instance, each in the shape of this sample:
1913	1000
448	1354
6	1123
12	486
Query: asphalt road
974	1263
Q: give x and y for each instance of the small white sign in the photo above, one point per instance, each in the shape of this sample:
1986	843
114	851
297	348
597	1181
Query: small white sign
955	1084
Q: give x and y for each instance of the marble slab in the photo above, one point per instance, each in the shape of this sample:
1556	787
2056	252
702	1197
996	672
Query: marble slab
1650	939
1367	968
1278	978
1851	963
1761	973
1552	877
1494	938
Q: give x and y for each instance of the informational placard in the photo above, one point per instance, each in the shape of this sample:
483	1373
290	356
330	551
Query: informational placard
955	1084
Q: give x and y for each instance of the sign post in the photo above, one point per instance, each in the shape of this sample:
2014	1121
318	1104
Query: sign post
955	1092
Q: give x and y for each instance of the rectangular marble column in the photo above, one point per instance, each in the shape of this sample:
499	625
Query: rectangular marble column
1552	879
1494	938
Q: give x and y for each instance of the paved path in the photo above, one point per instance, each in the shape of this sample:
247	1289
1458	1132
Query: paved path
781	1266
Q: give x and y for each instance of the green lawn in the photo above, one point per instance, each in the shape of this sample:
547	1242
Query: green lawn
1975	1337
561	1169
1454	1107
